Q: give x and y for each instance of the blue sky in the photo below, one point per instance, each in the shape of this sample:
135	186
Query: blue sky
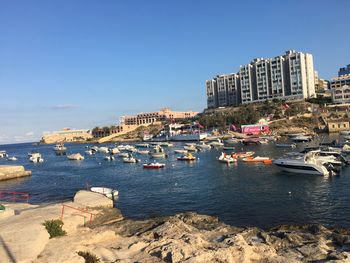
82	64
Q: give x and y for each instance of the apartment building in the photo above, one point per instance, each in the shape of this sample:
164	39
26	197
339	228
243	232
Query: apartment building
338	82
344	71
290	76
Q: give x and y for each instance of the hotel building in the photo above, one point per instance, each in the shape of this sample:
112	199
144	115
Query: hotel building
158	116
290	76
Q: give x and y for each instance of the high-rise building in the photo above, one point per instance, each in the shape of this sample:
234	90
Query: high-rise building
290	76
344	71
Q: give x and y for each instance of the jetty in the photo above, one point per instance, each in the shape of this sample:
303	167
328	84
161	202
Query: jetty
8	172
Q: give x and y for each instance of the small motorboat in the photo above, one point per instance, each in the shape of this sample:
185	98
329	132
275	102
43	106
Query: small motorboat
153	165
143	152
217	143
301	138
114	150
226	158
123	154
109	158
89	152
232	141
166	144
13	158
242	154
187	157
346	137
60	149
203	146
75	157
344	132
108	192
130	160
158	155
258	159
190	148
35	158
103	150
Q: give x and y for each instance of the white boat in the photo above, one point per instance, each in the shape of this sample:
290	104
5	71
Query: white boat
308	164
59	147
216	143
109	158
130	160
103	149
3	154
114	150
158	155
190	148
13	158
75	157
89	152
108	192
345	149
35	158
228	148
346	137
203	146
143	152
226	158
181	151
166	144
123	154
344	132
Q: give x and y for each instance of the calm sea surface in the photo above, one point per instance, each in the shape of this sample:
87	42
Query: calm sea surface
239	194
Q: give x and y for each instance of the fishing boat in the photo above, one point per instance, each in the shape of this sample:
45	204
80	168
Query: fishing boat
187	157
75	157
35	158
155	165
108	192
257	159
109	158
285	145
226	158
242	154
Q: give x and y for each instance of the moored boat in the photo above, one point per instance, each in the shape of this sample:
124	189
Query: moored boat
187	157
242	154
35	158
154	165
285	145
257	159
130	160
13	158
75	157
226	158
109	158
108	192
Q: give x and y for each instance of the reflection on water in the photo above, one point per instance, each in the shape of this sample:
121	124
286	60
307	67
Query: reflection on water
239	193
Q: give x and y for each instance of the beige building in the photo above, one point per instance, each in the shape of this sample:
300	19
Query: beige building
117	130
67	135
341	95
336	126
158	116
340	81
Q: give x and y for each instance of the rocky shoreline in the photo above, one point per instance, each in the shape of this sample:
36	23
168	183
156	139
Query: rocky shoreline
184	237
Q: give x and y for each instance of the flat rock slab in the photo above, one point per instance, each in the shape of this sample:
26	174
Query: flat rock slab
91	199
12	171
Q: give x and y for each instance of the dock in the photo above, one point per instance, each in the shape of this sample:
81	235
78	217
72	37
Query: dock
8	172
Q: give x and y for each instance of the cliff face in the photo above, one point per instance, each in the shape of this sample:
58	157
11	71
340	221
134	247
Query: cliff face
189	237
